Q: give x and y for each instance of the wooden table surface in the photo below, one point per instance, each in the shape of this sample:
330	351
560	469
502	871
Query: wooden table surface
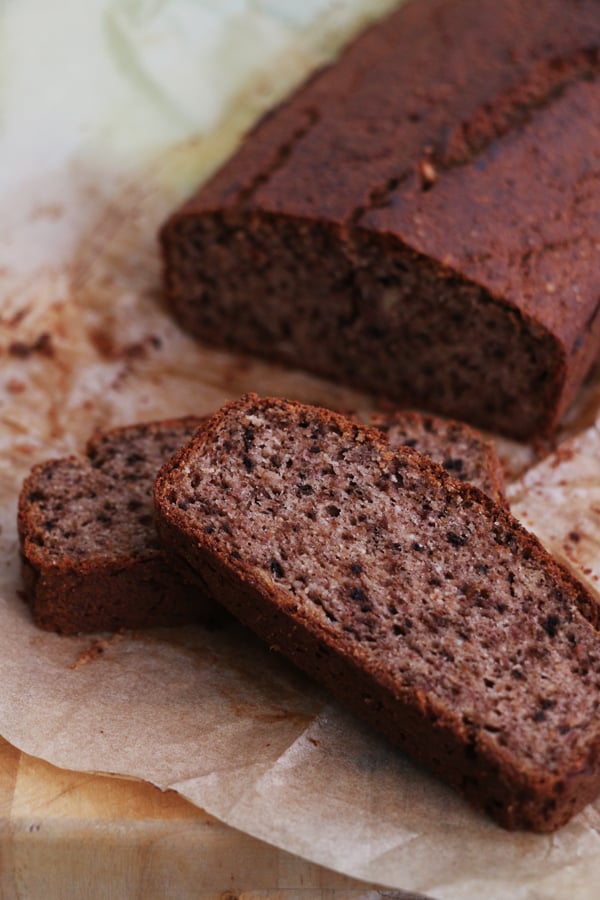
71	835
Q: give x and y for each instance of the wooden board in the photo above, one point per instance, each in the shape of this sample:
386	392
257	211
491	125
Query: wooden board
71	835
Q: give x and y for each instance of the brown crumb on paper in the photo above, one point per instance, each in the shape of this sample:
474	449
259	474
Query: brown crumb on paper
96	649
107	347
15	386
42	345
563	455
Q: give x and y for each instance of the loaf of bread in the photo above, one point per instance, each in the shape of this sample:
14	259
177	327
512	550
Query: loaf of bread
90	555
420	219
422	604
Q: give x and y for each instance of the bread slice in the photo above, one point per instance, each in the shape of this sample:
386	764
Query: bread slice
91	561
421	603
461	450
90	555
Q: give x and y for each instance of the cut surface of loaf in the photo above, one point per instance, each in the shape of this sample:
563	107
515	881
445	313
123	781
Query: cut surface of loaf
90	555
419	219
461	450
422	604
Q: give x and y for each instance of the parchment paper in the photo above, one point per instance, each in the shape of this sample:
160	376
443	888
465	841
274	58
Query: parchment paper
85	342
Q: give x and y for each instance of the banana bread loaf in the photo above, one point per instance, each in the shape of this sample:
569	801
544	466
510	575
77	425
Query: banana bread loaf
90	555
422	604
419	219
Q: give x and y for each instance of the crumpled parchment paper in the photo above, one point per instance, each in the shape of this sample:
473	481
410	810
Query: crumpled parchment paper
84	343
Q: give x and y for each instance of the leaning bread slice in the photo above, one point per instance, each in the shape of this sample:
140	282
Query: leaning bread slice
461	450
90	555
422	604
